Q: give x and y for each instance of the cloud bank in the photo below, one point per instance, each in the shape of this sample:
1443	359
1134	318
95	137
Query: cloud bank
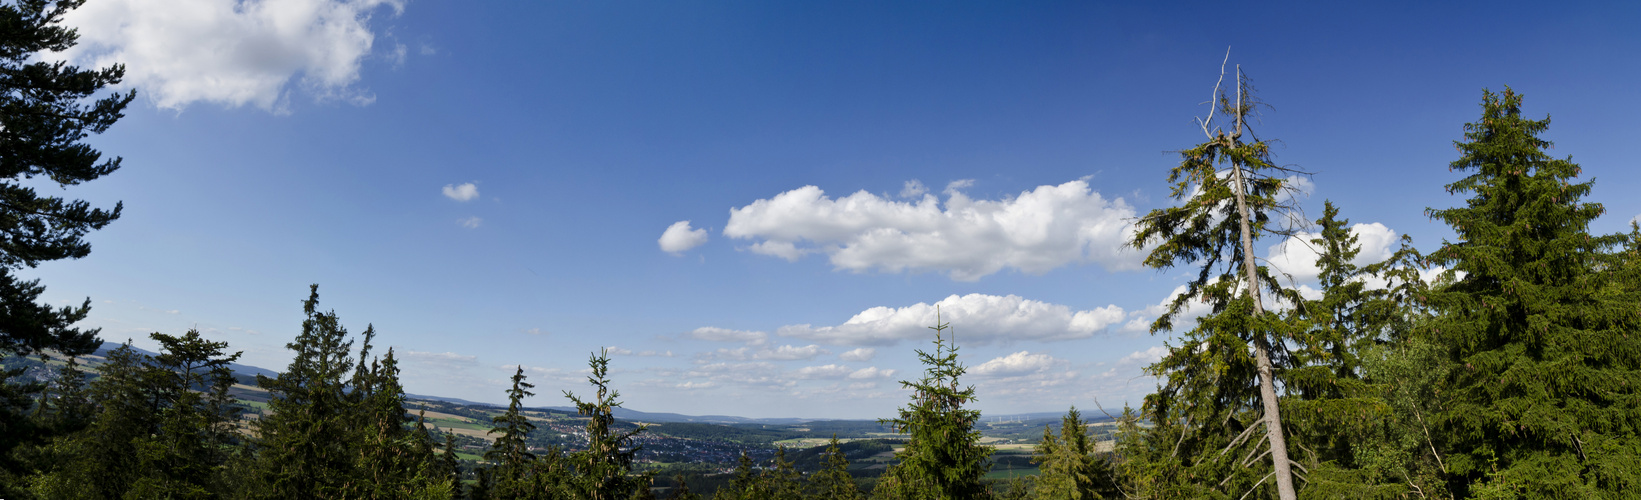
981	319
967	239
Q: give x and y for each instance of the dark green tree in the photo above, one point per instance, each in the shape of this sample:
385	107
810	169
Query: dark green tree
834	482
304	443
1546	370
682	492
781	480
744	486
1220	381
1070	468
44	119
164	430
603	470
510	455
943	458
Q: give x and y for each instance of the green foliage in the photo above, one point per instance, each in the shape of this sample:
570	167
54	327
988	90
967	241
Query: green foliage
1219	381
943	458
509	455
602	471
834	481
1545	374
1070	468
330	436
163	431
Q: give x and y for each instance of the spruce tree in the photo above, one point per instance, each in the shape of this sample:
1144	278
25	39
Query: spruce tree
834	482
781	480
943	458
1545	384
510	455
603	470
1069	467
304	446
1220	380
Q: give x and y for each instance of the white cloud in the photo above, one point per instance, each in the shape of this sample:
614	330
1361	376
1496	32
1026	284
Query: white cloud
821	372
470	222
1145	357
622	351
1296	255
913	189
1020	363
782	353
230	52
871	372
536	331
861	354
464	192
1034	232
715	334
975	318
1140	321
679	237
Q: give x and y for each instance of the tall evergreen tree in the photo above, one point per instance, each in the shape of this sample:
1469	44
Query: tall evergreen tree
781	480
1546	376
834	482
44	119
603	470
943	458
304	446
1070	468
1220	382
510	453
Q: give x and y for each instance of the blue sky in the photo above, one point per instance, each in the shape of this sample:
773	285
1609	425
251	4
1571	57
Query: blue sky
488	183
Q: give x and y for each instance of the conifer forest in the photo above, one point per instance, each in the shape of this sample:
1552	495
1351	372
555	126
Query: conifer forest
1496	363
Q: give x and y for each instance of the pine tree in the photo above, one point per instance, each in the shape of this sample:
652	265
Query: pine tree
304	446
510	453
746	484
1335	409
943	458
834	482
1546	376
781	480
682	492
1070	468
43	121
163	429
602	471
1215	393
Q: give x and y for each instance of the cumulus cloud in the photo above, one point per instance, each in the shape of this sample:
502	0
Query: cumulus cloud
913	189
470	222
871	372
861	354
1140	321
1020	363
1145	357
821	372
622	351
1034	232
1296	255
782	353
715	334
679	237
464	192
979	319
231	52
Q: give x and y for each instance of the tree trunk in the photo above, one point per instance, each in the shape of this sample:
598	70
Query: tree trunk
1262	356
